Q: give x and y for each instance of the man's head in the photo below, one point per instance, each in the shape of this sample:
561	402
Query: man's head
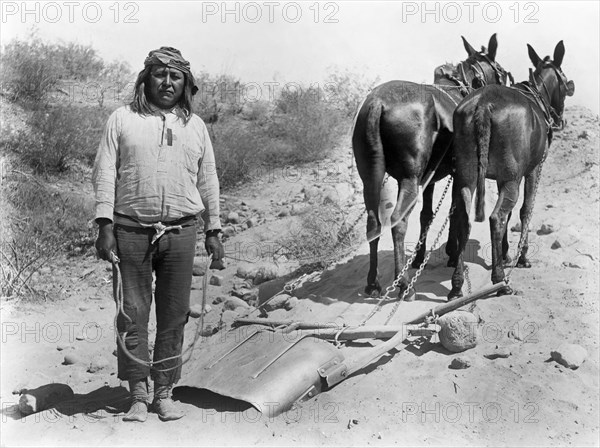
165	82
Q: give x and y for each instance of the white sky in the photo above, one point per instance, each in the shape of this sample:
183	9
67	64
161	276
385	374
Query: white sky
373	38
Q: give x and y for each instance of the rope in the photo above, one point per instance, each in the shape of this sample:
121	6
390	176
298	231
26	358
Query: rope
120	311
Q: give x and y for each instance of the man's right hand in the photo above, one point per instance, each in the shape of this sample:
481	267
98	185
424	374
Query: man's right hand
106	242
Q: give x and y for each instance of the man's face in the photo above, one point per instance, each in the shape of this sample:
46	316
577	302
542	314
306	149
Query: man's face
165	86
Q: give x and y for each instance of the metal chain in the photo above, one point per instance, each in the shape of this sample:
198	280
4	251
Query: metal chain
390	289
525	225
466	275
418	273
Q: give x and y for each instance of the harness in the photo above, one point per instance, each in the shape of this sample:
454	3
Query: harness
532	92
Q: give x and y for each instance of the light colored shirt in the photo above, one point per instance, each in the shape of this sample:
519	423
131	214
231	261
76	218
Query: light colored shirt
155	168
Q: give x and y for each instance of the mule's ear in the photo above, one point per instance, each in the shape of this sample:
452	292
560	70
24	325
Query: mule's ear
470	50
570	88
559	54
533	56
492	47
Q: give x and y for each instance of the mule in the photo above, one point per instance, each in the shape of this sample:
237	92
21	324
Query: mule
503	133
404	129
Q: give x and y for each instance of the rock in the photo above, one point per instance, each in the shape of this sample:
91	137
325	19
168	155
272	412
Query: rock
281	301
458	331
244	207
251	222
234	302
84	307
310	193
44	397
569	355
216	280
546	229
516	227
196	310
460	362
209	330
556	245
283	212
233	218
199	268
228	316
98	363
265	273
218	299
299	209
500	352
291	303
62	346
72	358
228	231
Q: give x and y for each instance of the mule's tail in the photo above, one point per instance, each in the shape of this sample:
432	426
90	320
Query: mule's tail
483	125
370	161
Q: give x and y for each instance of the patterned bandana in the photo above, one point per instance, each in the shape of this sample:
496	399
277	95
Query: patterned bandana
171	57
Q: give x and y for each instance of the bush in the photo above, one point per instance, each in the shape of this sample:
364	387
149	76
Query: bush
58	136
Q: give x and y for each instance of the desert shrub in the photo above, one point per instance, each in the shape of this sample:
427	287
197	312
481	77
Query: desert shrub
323	235
46	223
57	136
346	90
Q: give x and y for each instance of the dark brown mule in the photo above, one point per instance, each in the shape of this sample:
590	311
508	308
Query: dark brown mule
503	133
405	129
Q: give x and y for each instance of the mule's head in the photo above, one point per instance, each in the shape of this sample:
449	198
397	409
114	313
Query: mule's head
481	68
551	81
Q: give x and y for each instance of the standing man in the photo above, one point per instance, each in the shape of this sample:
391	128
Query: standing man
153	175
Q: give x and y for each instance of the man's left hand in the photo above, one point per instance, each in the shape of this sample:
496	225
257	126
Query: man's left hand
215	248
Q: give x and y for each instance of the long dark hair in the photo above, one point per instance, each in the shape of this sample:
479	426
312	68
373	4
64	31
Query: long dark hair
142	106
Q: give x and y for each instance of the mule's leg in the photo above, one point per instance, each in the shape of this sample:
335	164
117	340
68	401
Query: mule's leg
508	193
452	243
462	230
526	210
407	192
371	197
505	246
425	218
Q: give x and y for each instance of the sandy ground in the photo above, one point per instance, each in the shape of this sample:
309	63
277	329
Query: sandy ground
407	398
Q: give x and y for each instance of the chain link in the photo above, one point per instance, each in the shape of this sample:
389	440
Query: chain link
466	275
390	289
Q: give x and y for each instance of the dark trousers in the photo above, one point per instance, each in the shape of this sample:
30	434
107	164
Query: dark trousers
172	259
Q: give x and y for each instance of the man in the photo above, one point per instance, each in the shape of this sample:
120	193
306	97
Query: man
153	174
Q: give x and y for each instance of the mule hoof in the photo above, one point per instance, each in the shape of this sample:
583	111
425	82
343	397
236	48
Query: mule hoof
524	264
454	294
373	290
505	291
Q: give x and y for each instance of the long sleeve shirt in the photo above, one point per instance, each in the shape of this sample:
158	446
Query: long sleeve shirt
155	168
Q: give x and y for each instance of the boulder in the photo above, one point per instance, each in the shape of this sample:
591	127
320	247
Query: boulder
458	331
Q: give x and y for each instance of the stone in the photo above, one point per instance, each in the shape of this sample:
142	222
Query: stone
228	231
283	212
458	331
216	280
84	307
251	222
299	209
265	273
291	303
569	355
277	302
44	397
460	362
98	363
199	268
218	299
516	227
233	218
63	346
545	229
72	358
499	352
234	302
196	310
556	245
246	271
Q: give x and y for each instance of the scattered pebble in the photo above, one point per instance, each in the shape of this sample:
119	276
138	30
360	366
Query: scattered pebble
265	273
277	302
556	245
234	302
72	358
460	362
84	307
196	310
199	268
218	300
216	280
500	352
98	363
545	229
233	217
569	355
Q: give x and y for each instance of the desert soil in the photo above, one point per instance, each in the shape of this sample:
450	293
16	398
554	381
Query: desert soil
407	398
